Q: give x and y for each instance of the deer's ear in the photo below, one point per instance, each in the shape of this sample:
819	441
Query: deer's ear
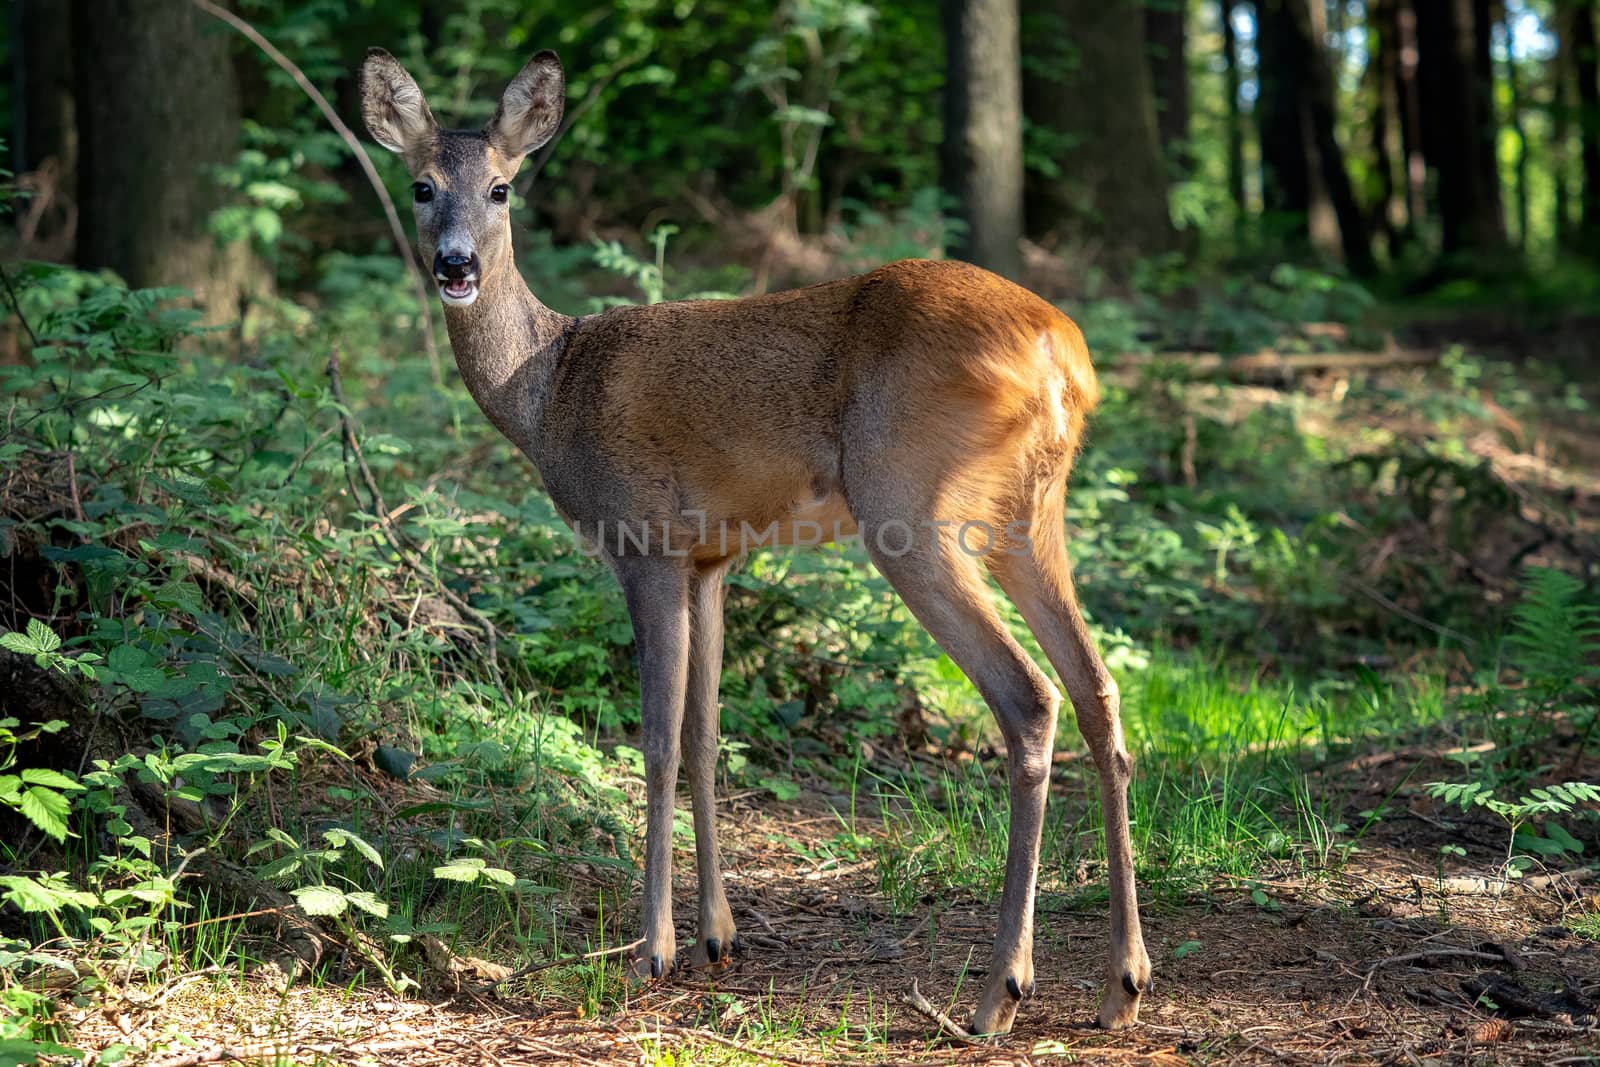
397	115
530	111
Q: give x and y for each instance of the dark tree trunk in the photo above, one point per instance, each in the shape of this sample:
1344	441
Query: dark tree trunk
44	134
981	158
1326	157
1383	76
157	109
1235	123
1514	121
1588	72
1165	35
1455	74
43	126
1304	168
1088	90
1562	108
1410	93
1280	115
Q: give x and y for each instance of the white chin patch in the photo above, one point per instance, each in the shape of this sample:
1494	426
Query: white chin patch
458	294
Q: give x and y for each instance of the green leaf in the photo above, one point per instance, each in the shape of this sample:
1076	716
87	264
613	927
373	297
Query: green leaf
53	779
320	900
39	640
369	903
782	788
464	869
236	763
22	1051
1531	842
498	876
1184	949
125	658
47	810
50	894
339	838
44	638
136	669
1558	833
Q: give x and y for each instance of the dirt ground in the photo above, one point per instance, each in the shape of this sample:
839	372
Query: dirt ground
1369	964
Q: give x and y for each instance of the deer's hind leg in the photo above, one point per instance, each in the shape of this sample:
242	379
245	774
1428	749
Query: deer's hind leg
942	583
1037	577
717	941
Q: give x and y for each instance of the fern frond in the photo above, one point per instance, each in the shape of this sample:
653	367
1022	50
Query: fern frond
1555	633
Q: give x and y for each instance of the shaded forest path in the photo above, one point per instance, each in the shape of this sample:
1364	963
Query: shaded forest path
1366	963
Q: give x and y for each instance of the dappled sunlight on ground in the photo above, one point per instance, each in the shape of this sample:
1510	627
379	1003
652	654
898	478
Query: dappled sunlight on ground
1368	963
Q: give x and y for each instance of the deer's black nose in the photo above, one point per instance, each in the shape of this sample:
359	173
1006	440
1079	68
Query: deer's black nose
452	268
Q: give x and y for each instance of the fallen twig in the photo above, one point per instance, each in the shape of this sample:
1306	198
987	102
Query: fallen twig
1464	886
1435	954
214	1055
569	961
924	1007
1267	364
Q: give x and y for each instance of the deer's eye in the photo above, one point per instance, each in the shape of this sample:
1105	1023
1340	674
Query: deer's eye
500	193
422	192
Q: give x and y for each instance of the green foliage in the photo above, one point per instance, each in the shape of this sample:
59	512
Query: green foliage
1553	641
1538	803
1555	637
236	613
39	794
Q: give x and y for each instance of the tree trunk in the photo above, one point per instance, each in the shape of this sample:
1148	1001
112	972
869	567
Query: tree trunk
1235	124
41	60
1280	114
1455	75
1305	162
1410	93
1514	120
1383	76
1584	53
157	109
1562	109
1326	156
1088	91
44	134
1165	33
981	157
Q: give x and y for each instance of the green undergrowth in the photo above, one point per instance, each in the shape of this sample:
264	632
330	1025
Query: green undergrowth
1220	784
325	627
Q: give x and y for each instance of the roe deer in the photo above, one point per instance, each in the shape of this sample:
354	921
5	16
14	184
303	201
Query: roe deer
910	406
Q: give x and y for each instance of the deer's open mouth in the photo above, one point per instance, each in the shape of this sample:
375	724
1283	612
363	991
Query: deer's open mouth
459	291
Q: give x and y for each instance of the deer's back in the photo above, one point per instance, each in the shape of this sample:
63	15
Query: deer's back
742	408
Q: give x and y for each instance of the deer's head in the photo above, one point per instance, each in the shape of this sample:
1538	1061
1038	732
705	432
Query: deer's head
462	178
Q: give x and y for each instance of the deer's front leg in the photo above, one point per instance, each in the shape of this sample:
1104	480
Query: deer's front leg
658	603
717	941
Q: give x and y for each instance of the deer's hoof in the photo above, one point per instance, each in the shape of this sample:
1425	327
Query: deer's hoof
1120	1008
649	968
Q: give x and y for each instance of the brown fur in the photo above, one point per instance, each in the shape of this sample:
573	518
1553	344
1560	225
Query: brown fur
926	393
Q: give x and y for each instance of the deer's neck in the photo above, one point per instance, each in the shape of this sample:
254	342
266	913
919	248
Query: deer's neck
506	345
